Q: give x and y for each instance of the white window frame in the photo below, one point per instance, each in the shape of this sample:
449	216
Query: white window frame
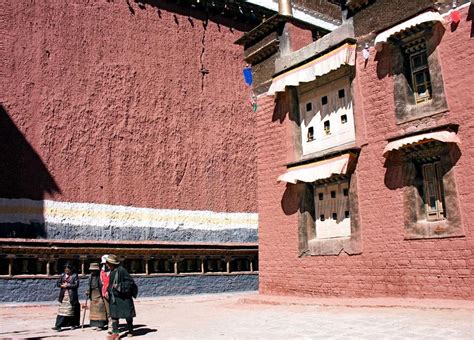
339	133
329	227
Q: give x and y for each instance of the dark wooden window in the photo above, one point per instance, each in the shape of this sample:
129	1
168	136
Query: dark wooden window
28	266
417	74
191	265
215	265
416	52
433	193
4	263
57	267
327	127
134	266
310	134
163	265
240	265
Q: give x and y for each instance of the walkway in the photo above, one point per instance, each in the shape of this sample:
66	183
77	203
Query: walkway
238	316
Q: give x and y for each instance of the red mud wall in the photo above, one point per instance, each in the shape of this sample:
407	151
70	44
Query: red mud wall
113	102
388	265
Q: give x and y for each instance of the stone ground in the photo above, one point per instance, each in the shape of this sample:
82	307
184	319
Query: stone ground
248	316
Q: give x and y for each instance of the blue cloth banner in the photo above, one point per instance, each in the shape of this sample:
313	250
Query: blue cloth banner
248	76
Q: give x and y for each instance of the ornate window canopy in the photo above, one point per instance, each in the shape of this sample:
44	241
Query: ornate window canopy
442	136
319	170
427	17
343	55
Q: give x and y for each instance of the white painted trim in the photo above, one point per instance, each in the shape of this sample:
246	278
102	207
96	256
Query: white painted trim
343	55
442	136
383	37
297	14
106	215
467	4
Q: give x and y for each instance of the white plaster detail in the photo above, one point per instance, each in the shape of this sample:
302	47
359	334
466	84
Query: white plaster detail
331	61
337	113
105	215
330	227
315	171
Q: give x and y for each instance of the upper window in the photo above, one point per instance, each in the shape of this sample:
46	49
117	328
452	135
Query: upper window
417	77
327	119
415	51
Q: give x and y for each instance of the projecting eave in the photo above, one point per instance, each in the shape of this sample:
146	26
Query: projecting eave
343	34
355	4
261	30
300	15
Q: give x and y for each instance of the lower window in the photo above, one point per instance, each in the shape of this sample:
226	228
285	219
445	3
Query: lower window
332	210
433	190
431	206
328	217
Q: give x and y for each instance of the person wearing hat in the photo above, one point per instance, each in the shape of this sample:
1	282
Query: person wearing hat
69	312
104	280
97	315
121	291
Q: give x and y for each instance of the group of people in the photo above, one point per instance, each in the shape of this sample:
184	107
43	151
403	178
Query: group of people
111	292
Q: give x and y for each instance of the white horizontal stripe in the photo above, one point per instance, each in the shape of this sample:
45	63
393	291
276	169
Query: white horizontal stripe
104	215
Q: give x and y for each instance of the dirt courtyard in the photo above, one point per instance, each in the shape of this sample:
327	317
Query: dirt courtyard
245	316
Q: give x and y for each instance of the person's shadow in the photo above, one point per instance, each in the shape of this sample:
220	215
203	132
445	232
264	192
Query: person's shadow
138	330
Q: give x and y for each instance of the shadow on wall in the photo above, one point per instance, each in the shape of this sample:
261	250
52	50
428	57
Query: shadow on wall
384	63
391	54
291	200
298	197
23	177
285	105
400	173
204	11
470	17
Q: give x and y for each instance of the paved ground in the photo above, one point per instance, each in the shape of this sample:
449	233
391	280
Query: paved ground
237	316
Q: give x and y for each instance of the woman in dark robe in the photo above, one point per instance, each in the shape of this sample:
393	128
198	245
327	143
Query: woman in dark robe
98	315
69	312
122	289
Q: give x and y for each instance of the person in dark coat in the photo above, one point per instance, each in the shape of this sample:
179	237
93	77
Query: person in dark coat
97	315
121	291
69	312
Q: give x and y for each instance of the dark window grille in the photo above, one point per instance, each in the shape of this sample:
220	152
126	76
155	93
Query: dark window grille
240	265
215	265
